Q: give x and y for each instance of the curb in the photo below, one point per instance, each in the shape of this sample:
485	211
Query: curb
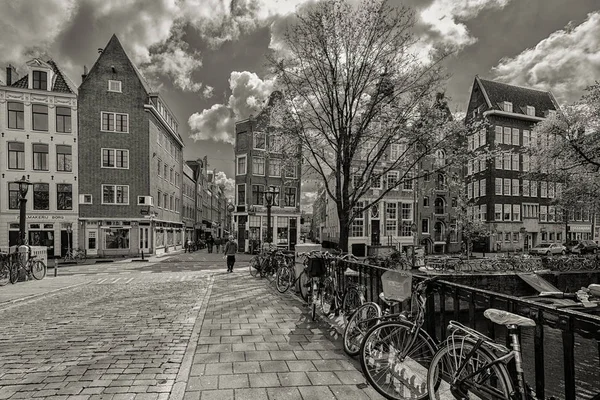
9	303
178	390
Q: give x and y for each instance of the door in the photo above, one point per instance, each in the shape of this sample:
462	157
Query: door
91	242
293	233
375	234
145	239
66	242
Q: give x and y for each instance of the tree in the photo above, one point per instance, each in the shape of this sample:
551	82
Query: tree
361	101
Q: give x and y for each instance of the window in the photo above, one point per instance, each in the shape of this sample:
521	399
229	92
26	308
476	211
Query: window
476	189
441	181
357	229
534	189
16	155
171	205
171	176
482	166
508	107
516	212
115	194
159	163
274	167
551	212
439	206
40	157
165	201
289	197
470	190
376	180
470	142
63	119
515	187
470	167
550	190
276	190
407	183
394	152
258	195
13	196
525	162
406	211
507	183
116	238
543	213
498	159
507	161
41	196
531	110
290	171
515	161
166	172
260	141
533	139
276	143
498	212
16	115
116	158
426	176
499	186
425	225
483	212
64	196
498	136
525	138
39	117
425	201
391	218
258	165
515	136
507	135
526	188
40	80
114	86
115	122
159	197
475	141
241	165
392	180
543	189
241	194
482	188
440	158
482	137
507	212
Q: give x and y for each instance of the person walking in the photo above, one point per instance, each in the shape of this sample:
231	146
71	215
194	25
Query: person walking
218	244
209	243
230	249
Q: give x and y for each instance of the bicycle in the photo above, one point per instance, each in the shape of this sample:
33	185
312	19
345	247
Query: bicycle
4	269
265	263
396	351
286	278
471	364
316	270
77	255
32	267
347	301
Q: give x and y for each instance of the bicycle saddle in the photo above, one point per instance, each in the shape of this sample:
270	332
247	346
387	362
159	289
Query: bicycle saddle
501	317
389	302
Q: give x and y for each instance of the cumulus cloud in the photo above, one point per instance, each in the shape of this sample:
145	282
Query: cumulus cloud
208	91
249	93
228	184
566	62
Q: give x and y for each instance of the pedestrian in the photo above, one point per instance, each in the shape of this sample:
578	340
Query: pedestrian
209	243
218	244
230	248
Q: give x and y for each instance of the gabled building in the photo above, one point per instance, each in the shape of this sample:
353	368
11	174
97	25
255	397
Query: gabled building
518	210
131	161
261	165
38	120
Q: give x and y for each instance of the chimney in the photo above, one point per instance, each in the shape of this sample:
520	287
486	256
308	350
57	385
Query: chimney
85	73
11	75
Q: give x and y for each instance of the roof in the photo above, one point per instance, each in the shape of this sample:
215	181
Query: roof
61	83
520	97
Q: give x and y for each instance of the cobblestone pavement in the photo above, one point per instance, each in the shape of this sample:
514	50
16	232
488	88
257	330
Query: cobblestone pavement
102	340
255	343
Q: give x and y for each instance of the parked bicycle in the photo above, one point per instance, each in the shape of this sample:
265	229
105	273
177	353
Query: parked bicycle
336	300
32	267
266	263
286	278
4	268
470	365
77	255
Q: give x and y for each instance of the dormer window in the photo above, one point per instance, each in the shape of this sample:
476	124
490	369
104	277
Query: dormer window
40	80
114	86
508	107
531	111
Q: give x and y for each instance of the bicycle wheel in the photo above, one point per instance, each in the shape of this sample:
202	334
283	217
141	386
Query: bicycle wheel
363	319
254	266
491	383
351	301
15	268
284	279
304	284
80	257
4	274
38	269
394	362
327	296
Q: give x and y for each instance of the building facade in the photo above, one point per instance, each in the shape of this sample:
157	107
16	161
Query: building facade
518	210
260	167
38	116
130	182
188	211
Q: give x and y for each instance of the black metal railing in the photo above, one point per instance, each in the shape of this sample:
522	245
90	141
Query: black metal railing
451	301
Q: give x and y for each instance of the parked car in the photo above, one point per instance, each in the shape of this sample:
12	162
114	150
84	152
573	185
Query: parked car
582	247
548	249
570	245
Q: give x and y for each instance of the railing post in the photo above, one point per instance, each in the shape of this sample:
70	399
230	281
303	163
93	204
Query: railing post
568	339
472	309
538	346
442	296
430	313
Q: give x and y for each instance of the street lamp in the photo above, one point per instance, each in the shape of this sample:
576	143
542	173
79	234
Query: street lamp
23	189
230	210
269	199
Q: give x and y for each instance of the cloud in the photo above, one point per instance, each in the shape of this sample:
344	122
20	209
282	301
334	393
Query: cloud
248	94
228	184
208	92
566	62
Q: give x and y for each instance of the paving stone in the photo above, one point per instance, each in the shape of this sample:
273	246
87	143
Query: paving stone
247	367
263	380
233	356
350	377
250	394
316	393
257	355
349	392
284	393
323	378
307	355
282	355
225	394
333	365
219	369
236	381
293	379
301	366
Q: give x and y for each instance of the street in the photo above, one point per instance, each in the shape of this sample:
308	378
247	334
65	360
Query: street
180	328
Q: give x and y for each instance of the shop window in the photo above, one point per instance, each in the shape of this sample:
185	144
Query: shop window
116	238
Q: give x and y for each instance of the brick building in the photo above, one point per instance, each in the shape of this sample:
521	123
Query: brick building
188	211
519	211
38	120
131	161
260	167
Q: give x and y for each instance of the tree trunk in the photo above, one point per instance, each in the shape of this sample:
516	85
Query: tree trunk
344	233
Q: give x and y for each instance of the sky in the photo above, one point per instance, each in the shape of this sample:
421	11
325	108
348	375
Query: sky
207	57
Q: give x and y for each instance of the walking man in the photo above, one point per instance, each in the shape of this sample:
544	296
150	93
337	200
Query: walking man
230	250
218	244
209	243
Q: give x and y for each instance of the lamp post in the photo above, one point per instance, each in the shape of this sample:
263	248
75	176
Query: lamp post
23	189
230	210
269	199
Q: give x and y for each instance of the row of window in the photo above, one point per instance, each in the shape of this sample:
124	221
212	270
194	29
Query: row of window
188	212
477	189
40	159
275	167
258	195
115	158
260	142
168	202
168	144
513	187
114	122
39	117
168	174
41	196
512	212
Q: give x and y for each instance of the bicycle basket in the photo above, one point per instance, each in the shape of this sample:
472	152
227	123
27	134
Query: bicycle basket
316	268
397	285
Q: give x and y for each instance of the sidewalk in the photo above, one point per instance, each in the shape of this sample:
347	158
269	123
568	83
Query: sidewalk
22	291
255	343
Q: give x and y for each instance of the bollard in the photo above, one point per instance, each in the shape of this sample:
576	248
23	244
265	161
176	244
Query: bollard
142	255
55	267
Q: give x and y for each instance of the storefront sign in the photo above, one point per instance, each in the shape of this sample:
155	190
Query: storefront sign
43	217
580	228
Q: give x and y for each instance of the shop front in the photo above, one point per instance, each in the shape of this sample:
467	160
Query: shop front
579	231
168	236
252	231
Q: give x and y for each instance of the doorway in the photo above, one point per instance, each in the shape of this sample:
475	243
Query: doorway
91	244
375	233
66	242
145	239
